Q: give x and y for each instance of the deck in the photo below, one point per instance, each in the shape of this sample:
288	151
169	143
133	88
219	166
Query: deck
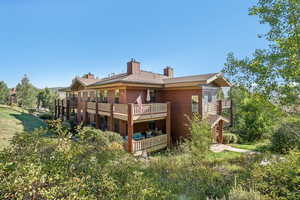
143	112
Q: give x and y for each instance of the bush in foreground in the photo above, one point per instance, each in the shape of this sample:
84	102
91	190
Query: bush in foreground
278	178
230	138
287	137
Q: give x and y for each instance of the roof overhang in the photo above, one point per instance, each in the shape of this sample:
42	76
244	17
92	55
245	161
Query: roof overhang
219	118
219	80
75	84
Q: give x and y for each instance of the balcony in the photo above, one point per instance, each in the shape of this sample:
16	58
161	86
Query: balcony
139	113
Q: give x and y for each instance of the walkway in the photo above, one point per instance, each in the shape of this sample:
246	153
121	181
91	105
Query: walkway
222	147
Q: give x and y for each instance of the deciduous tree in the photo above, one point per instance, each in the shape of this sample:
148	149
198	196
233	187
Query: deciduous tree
273	72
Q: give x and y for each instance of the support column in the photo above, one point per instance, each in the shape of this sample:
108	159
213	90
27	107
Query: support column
111	118
219	111
55	109
58	109
85	113
168	124
79	108
62	110
130	127
68	109
97	117
221	124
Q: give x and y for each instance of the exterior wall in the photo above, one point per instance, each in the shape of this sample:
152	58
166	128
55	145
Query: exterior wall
132	95
180	107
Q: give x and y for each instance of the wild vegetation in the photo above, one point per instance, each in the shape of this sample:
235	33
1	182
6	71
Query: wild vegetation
56	164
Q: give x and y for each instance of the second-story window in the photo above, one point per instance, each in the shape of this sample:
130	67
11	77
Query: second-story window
152	96
117	96
195	103
105	96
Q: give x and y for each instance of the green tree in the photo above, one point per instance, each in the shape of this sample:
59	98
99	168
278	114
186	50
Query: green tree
201	138
254	115
26	93
273	72
45	98
220	94
4	93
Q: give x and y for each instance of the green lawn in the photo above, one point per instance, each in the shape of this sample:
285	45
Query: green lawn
14	120
260	146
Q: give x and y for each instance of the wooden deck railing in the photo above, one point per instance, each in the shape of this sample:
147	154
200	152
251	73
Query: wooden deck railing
121	108
226	104
210	108
105	107
149	108
150	144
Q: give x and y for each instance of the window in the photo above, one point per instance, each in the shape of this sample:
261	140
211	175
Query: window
195	103
151	125
92	94
152	96
85	94
117	96
79	94
105	95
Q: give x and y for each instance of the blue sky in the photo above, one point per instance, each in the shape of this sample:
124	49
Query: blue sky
53	41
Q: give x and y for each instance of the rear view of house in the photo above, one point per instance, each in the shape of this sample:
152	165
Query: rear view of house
148	109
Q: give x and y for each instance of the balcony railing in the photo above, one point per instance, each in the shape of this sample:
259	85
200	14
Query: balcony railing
149	144
142	112
149	108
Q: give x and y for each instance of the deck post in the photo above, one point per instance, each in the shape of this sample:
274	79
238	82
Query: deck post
130	127
85	113
219	111
62	110
97	117
111	118
168	124
58	109
68	109
79	104
55	109
221	124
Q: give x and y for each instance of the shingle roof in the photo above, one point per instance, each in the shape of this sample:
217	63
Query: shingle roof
142	77
201	77
145	77
87	81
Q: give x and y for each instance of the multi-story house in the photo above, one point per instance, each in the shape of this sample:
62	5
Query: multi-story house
149	110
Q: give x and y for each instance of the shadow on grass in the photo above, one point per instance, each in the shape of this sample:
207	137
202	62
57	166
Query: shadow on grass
29	121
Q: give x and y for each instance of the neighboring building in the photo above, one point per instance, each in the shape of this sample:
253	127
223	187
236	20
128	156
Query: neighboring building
137	101
61	91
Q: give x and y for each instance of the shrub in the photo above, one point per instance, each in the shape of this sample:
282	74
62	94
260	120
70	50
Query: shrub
287	137
201	137
279	179
46	116
239	193
230	138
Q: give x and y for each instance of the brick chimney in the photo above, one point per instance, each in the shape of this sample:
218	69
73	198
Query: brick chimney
169	71
89	76
133	67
